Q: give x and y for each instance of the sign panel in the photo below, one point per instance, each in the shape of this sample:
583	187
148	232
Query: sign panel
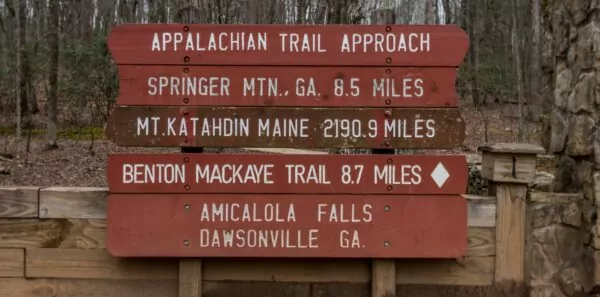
334	45
291	174
348	226
164	126
289	86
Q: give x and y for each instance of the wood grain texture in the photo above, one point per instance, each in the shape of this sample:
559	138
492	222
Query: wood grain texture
30	233
12	263
19	202
509	168
19	287
95	264
482	213
190	278
53	233
383	282
513	148
510	232
482	242
84	234
471	271
464	272
73	203
288	270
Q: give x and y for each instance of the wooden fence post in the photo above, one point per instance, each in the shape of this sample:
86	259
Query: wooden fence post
190	278
383	271
510	168
190	270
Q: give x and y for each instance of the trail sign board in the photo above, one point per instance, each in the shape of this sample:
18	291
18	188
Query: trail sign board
164	126
300	86
287	174
287	86
328	45
348	226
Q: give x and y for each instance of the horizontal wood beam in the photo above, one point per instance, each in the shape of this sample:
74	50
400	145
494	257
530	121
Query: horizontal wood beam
19	202
73	203
12	263
90	203
98	264
20	287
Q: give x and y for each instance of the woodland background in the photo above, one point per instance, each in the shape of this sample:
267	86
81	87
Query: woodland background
58	84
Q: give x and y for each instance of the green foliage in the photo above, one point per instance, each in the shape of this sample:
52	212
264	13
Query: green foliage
477	184
88	80
82	133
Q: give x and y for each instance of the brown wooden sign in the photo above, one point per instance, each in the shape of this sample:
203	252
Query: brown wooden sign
287	174
289	86
348	226
164	126
334	45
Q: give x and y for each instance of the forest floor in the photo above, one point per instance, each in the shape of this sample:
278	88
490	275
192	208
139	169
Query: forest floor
79	161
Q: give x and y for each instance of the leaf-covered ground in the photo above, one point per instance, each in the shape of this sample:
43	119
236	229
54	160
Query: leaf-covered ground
83	162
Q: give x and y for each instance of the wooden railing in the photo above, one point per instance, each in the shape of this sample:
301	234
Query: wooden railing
52	241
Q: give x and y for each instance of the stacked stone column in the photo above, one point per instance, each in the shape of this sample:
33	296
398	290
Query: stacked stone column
575	138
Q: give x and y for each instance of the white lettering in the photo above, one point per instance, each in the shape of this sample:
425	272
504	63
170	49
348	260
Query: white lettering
223	41
299	174
348	240
408	87
283	127
387	43
406	175
403	128
247	212
188	86
235	174
267	86
259	238
154	173
344	213
307	42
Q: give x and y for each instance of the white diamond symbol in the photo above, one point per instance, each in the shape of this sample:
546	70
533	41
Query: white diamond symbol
440	175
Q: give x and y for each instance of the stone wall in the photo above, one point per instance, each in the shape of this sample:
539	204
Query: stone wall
559	262
575	30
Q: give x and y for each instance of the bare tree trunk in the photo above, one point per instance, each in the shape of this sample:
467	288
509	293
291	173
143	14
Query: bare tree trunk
535	100
4	50
252	15
474	48
447	11
52	104
28	96
430	12
300	11
19	90
517	68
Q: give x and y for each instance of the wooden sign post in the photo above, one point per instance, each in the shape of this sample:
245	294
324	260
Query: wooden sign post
301	86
